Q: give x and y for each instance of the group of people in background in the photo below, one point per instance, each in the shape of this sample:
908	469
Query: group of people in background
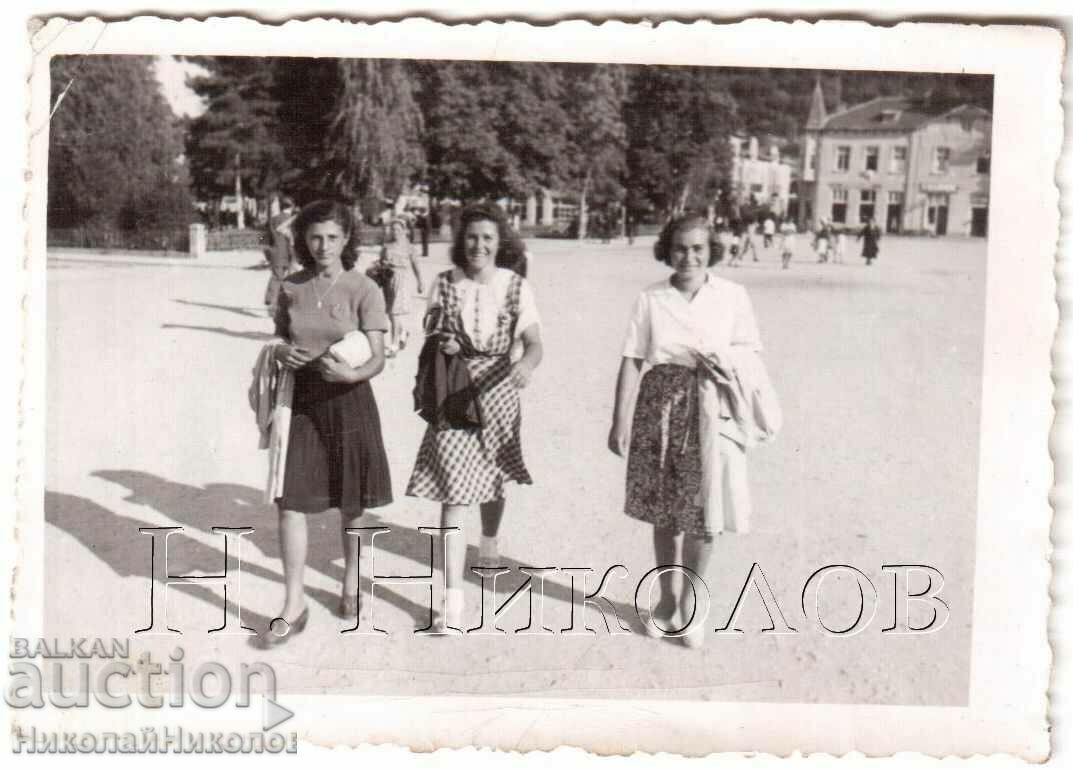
738	238
691	357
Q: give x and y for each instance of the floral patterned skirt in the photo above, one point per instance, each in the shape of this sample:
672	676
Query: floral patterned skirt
664	474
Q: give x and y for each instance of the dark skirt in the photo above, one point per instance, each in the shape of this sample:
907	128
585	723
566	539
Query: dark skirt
663	469
335	452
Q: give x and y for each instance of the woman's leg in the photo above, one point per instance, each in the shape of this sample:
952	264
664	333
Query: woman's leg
455	516
294	542
454	569
351	549
696	554
491	518
665	541
393	340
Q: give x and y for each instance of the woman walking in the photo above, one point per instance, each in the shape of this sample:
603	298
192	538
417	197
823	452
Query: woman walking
335	457
870	233
398	255
696	411
476	311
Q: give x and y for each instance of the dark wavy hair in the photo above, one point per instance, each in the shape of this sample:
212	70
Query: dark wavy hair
511	252
325	211
687	221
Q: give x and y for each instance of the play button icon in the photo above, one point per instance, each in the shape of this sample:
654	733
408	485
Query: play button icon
274	714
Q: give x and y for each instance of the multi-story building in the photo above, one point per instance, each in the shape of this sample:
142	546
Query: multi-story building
762	179
908	169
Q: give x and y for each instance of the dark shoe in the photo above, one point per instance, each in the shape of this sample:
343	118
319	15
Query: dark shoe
270	639
348	606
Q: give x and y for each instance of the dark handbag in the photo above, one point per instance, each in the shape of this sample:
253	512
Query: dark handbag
381	273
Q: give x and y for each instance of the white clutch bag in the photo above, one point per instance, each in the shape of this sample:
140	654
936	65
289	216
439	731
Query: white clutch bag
354	349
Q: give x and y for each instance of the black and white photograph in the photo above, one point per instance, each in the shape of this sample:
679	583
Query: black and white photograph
535	377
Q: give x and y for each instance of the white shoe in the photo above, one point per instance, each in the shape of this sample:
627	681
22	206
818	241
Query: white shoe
694	639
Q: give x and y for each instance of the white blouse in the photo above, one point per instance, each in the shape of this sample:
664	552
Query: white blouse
482	304
665	325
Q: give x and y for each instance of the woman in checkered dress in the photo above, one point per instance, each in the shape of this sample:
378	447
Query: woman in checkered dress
477	310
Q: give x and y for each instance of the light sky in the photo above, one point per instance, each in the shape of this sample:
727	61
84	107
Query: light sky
172	75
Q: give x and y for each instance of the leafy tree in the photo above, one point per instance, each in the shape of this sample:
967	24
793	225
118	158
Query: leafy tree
233	146
594	98
374	146
678	120
115	148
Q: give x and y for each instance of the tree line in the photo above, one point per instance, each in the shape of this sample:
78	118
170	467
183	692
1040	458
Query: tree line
651	137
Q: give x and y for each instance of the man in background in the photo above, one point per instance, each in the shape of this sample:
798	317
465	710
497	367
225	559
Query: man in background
279	252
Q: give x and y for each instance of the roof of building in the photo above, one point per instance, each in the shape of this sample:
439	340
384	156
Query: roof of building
887	113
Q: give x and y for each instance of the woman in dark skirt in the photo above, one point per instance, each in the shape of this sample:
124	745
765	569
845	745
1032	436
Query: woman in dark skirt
335	453
870	233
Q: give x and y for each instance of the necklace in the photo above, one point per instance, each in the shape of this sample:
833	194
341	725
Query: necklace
321	297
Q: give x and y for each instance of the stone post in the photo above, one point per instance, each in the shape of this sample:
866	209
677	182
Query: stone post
199	241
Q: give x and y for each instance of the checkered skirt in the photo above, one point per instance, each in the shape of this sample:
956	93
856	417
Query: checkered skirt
462	466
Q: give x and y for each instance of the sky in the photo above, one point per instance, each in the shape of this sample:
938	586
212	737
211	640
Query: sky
172	75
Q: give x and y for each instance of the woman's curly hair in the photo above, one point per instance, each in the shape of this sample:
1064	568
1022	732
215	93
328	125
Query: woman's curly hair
687	221
325	211
511	252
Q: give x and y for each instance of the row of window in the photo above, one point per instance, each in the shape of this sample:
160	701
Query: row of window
866	208
940	160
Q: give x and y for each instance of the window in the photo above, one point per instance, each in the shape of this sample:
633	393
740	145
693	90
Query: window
983	164
756	188
842	158
871	158
867	209
889	116
839	197
895	199
898	157
941	161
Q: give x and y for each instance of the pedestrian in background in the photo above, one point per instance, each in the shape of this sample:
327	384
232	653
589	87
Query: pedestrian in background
279	253
397	253
787	241
769	231
870	233
685	472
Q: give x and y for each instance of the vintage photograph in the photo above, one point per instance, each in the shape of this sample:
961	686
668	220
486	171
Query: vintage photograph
528	378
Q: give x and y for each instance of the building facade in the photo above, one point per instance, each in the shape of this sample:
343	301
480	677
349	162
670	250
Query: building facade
908	170
760	178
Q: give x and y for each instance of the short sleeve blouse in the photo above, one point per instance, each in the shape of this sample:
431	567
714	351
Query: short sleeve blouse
481	304
314	317
665	325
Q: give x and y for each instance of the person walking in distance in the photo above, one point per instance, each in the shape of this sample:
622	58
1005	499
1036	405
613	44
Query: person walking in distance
870	233
769	231
787	239
279	253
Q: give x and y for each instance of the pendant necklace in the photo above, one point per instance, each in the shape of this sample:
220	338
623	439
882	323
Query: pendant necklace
321	297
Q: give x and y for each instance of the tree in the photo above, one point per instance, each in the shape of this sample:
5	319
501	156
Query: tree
678	120
115	149
594	98
233	146
374	146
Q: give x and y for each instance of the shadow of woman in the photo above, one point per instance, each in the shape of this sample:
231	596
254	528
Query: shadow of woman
235	505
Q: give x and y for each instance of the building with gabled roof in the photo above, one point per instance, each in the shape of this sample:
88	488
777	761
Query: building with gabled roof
893	160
